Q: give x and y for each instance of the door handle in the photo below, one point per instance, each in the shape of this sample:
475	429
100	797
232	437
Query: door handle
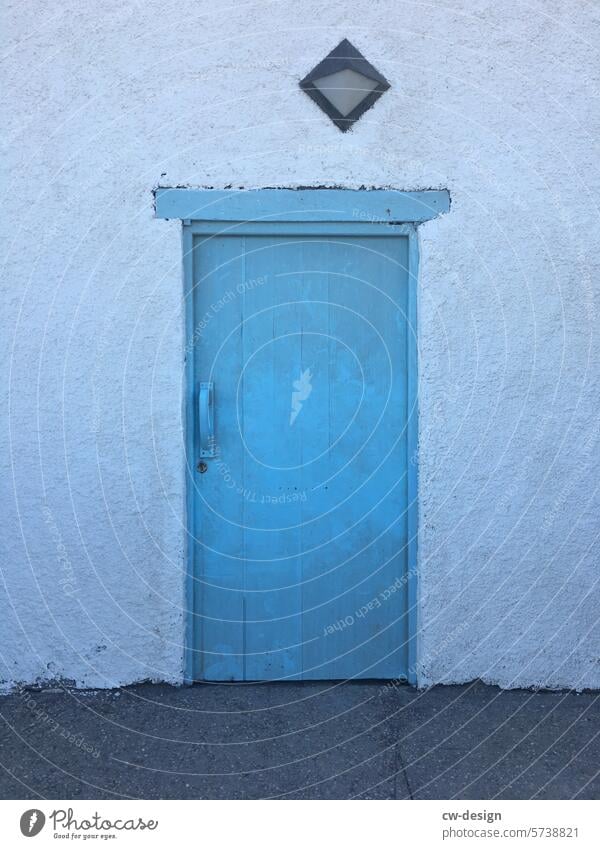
206	420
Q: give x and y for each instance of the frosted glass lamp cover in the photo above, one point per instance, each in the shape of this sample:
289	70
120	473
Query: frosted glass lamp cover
345	89
344	85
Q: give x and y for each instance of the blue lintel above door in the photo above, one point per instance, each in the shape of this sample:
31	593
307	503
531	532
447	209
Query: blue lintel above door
376	205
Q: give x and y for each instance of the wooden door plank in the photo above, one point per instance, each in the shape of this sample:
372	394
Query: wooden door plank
217	347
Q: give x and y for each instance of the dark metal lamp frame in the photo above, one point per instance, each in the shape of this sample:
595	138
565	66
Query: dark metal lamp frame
344	56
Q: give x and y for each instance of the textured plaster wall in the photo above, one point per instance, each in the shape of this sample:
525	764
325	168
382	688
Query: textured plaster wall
496	102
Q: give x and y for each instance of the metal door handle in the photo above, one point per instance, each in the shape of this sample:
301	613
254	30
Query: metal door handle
206	423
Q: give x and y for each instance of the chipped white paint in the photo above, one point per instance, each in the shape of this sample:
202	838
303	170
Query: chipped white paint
492	101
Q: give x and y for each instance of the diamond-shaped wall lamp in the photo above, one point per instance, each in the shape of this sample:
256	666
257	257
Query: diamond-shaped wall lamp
344	85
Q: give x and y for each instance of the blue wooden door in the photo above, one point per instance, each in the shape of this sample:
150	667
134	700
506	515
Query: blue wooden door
301	351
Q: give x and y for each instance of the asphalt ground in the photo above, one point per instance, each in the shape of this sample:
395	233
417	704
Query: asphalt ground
367	740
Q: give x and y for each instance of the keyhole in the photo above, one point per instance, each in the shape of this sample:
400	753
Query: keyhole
202	467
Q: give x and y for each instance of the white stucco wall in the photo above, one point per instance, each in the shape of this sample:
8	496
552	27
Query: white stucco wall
497	103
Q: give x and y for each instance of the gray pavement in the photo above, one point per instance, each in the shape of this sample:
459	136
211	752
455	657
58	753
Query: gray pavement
315	740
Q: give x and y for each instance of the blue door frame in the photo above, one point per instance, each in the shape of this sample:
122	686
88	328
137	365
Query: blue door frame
347	213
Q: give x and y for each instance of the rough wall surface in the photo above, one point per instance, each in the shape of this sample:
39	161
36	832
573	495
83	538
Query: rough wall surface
495	102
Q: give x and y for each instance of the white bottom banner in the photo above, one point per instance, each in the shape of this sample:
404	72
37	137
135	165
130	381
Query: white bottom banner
306	824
